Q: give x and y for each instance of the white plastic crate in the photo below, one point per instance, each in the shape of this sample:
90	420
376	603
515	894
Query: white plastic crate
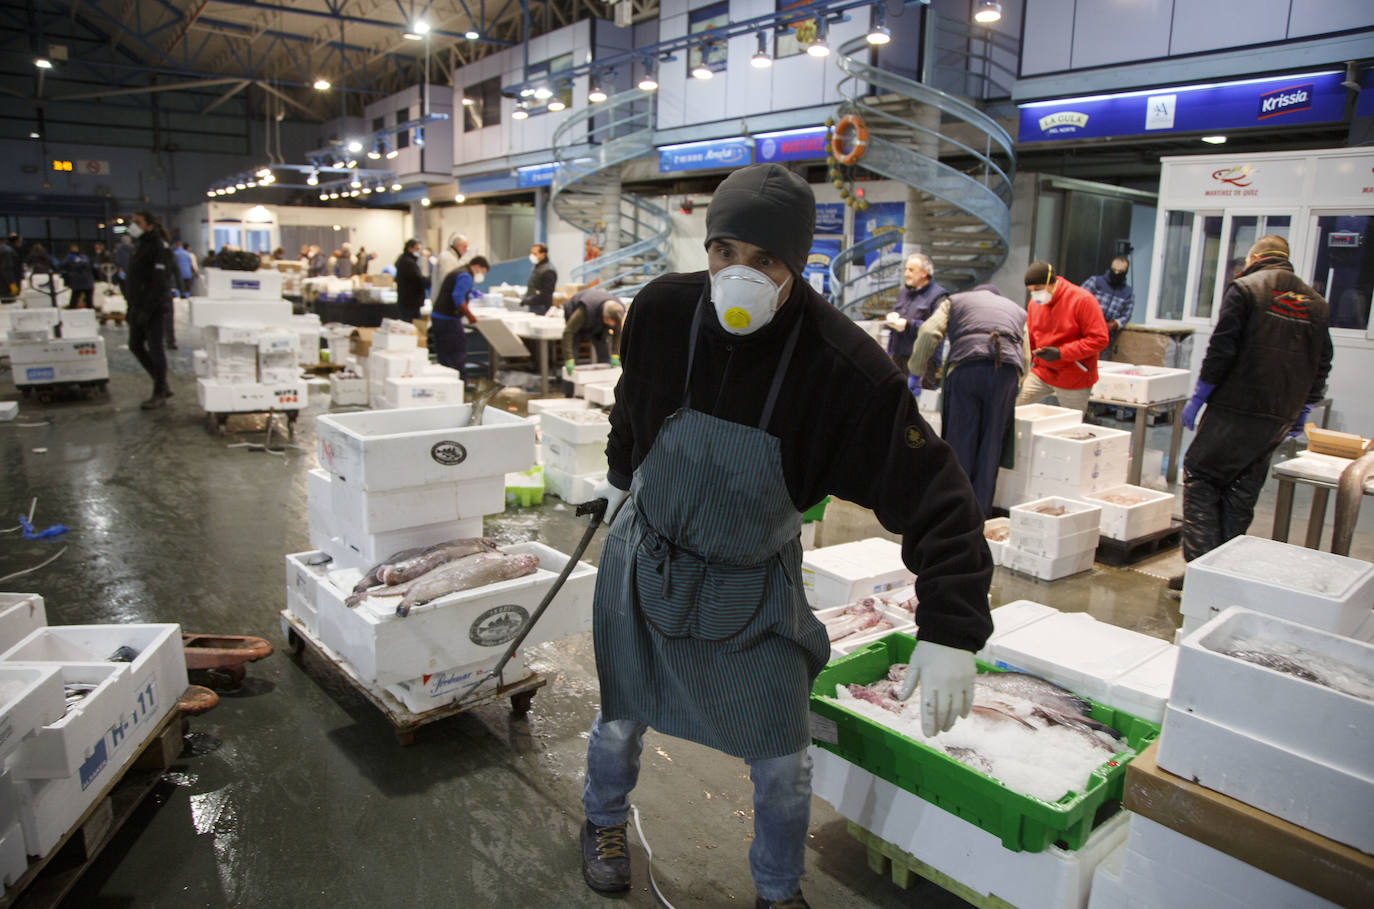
423	391
416	446
206	312
79	323
262	285
220	397
571	488
1011	616
1143	690
1029	419
1076	651
570	458
601	395
439	689
319	507
1077	517
1128	522
1050	544
13	860
576	431
347	390
36	700
544	405
75	741
351	548
835	575
593	374
1052	879
1044	567
1078	453
388	510
460	629
20	613
1142	384
1314	588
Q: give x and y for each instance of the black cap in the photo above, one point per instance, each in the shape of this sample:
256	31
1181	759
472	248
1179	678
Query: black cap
766	205
1039	273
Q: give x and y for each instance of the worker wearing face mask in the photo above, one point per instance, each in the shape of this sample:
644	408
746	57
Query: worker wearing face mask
1066	332
1114	296
543	278
745	399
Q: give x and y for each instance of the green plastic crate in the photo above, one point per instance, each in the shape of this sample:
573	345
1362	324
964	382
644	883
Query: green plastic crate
530	490
1022	822
815	512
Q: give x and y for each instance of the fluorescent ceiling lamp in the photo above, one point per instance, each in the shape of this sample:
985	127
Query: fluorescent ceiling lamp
43	63
1214	140
987	12
322	85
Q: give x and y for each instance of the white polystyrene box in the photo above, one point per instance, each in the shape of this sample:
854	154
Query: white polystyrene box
395	364
279	341
305	572
26	320
395	339
305	612
1052	879
1142	384
1076	651
8	409
220	397
1044	567
200	364
20	613
1029	419
439	689
206	312
75	741
570	487
458	629
834	575
387	510
93	370
899	620
1011	616
996	547
1143	690
1011	487
319	507
1077	517
544	405
14	860
1103	475
1303	585
416	446
264	286
601	395
79	323
1128	522
1327	725
1051	544
58	350
234	333
352	548
584	431
32	697
1325	799
570	458
423	391
347	390
1079	454
593	374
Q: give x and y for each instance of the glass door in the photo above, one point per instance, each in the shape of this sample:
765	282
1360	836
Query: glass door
1343	267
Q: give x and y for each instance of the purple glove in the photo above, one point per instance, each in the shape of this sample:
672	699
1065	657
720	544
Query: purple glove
1201	393
1301	425
913	384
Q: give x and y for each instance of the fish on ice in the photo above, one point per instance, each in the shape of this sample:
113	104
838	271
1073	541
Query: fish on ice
476	570
409	564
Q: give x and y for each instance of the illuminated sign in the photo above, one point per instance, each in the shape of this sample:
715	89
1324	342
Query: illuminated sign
62	165
90	168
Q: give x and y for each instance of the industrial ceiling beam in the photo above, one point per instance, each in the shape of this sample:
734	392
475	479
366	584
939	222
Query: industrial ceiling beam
341	17
225	97
146	89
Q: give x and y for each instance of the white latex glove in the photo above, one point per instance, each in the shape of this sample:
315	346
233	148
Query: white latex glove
614	499
946	677
896	321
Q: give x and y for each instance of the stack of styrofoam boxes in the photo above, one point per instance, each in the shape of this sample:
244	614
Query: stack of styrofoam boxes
844	573
236	383
574	450
264	284
1078	459
338	340
68	758
433	386
594	374
307	328
346	388
1305	748
278	356
958	849
231	354
241	297
39	357
395	354
1150	513
1114	666
1050	546
1320	589
1140	384
1013	486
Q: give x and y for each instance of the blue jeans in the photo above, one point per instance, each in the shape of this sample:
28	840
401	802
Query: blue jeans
782	801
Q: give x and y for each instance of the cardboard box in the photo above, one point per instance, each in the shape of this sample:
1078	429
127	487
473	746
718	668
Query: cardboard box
387	510
439	689
20	614
360	342
460	629
835	575
1128	522
1302	585
37	701
1152	346
1305	859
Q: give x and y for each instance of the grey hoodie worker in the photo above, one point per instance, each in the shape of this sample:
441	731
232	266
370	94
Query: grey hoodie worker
745	399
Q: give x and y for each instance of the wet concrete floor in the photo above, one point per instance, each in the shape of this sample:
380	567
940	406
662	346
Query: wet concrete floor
294	791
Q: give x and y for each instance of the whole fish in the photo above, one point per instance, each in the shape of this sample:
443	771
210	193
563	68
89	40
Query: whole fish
410	564
477	570
371	579
1278	662
970	757
1034	689
997	711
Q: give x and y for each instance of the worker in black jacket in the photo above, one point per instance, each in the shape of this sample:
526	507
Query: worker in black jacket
149	292
79	275
410	281
746	398
543	278
1266	365
593	315
451	308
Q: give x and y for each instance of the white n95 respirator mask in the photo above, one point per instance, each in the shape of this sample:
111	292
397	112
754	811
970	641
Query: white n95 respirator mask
745	298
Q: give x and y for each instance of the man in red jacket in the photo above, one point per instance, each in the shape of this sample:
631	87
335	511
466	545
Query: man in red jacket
1066	332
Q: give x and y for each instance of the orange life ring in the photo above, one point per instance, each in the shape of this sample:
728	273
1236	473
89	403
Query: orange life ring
860	142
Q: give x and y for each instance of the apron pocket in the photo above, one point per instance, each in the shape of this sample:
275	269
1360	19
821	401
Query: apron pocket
681	596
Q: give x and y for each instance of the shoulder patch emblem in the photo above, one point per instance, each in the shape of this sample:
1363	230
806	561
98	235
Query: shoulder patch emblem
914	438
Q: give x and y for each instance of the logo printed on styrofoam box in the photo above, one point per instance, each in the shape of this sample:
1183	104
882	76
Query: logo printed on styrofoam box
245	284
94	763
1285	101
34	373
448	453
498	625
1064	121
439	682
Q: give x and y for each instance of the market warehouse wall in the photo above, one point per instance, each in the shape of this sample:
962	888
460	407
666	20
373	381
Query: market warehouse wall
382	231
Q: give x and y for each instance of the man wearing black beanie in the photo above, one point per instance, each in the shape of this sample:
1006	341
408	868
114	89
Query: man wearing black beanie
745	399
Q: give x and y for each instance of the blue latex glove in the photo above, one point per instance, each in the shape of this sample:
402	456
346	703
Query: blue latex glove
913	384
1201	393
1300	426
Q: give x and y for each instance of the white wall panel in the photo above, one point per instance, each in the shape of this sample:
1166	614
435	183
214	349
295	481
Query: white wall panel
669	8
1048	36
1219	24
1316	17
798	81
1106	32
704	101
750	89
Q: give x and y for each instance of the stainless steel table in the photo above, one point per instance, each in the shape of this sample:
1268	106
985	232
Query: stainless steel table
1174	407
1323	474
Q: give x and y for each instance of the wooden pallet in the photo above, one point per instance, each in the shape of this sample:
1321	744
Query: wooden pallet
1119	554
52	877
402	720
906	869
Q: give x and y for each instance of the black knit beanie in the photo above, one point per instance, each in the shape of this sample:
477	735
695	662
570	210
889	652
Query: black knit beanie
766	205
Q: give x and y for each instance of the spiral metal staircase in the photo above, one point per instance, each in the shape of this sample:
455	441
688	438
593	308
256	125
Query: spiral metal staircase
591	148
966	199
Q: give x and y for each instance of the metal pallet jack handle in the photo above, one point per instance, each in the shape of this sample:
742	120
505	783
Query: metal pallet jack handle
597	509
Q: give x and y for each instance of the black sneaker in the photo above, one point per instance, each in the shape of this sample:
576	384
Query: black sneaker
605	858
1176	582
795	901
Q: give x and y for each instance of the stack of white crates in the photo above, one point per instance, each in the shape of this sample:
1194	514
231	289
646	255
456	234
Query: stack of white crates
397	479
596	374
574	451
1079	459
58	759
242	298
248	368
399	373
1327	591
308	330
1052	538
50	346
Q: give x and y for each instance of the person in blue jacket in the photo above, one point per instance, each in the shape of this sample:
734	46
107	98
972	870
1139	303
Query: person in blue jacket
451	307
79	274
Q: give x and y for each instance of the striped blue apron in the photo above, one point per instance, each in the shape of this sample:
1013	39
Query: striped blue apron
701	626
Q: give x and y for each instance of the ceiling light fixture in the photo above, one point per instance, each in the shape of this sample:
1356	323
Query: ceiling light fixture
1214	140
355	146
556	104
520	113
543	93
761	59
375	152
986	12
879	34
425	203
818	47
419	137
471	34
33	134
648	83
596	95
367	190
42	63
396	187
324	197
468	102
313	179
355	182
322	85
702	71
459	198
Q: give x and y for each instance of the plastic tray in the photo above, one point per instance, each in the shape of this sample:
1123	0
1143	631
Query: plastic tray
1022	822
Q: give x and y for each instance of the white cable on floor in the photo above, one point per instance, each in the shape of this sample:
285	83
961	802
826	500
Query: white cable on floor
16	574
639	830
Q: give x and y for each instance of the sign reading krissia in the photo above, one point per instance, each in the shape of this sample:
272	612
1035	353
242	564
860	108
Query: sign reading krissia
716	153
1218	107
790	145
